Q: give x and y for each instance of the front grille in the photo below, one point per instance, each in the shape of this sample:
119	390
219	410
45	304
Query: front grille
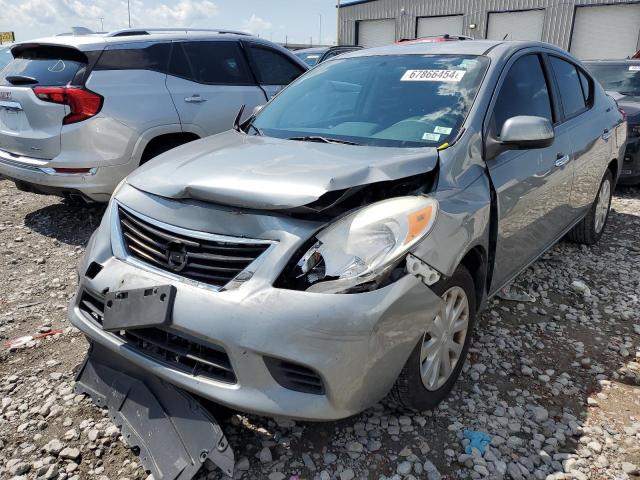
294	377
166	346
208	261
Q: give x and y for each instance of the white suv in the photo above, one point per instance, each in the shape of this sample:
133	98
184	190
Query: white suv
79	113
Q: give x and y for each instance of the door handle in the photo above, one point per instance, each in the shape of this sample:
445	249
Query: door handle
562	160
195	99
606	134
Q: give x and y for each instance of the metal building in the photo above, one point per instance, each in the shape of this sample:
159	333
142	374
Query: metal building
590	29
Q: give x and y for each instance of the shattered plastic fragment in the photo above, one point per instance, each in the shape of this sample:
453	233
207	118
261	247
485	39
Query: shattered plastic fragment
21	341
506	294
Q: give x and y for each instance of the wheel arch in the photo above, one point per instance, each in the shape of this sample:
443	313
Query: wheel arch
475	261
173	139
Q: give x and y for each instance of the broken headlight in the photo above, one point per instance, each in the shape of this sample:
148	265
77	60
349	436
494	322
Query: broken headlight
362	247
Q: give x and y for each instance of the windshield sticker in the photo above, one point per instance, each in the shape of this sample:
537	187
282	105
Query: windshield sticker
443	130
432	137
466	63
433	75
634	68
313	56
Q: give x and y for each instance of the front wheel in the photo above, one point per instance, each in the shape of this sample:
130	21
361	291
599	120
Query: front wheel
589	230
436	361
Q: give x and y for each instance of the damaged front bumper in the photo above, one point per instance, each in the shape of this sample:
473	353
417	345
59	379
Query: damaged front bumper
176	435
277	352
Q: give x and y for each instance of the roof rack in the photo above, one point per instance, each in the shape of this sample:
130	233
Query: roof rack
146	31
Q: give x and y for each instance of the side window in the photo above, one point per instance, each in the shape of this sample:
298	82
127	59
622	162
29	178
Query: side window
273	67
587	87
524	92
570	85
213	63
152	57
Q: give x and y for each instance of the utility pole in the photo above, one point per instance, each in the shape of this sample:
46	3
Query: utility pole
320	32
129	11
102	24
338	24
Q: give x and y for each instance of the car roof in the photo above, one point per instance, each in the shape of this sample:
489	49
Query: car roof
494	48
622	61
100	41
312	50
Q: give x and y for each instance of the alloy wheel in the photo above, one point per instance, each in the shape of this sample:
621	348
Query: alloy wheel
602	205
443	343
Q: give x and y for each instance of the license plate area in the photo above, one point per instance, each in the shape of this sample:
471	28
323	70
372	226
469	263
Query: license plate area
139	308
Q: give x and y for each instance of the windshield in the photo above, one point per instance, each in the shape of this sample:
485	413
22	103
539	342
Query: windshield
310	58
394	100
623	78
5	57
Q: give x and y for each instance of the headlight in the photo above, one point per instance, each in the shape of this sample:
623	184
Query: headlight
364	245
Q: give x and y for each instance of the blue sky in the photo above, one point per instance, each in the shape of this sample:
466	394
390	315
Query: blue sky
298	20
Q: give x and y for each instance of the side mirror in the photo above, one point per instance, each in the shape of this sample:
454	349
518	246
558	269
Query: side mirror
524	132
256	109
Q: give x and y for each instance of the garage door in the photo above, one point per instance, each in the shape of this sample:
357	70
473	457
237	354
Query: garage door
375	33
605	32
516	25
430	26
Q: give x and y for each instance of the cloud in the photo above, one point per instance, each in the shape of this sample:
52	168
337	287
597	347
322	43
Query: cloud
255	24
183	14
45	17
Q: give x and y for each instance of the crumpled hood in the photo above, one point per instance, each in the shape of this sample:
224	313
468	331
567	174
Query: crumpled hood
269	173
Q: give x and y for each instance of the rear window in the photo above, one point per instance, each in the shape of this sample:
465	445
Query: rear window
136	57
210	63
46	66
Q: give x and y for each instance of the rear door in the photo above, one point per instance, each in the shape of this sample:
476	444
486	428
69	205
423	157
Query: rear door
29	126
209	81
592	141
533	186
273	69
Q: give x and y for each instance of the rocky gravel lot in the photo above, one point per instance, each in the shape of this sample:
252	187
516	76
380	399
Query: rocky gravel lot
551	386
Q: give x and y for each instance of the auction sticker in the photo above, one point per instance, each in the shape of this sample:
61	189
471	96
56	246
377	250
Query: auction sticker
433	137
443	130
433	75
634	68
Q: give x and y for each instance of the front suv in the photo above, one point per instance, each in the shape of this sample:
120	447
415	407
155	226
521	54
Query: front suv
79	113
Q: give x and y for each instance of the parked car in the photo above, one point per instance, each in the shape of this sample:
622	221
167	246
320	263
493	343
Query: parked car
79	113
622	79
436	38
5	56
316	55
339	246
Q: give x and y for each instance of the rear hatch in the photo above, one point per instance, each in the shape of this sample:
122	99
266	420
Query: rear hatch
30	126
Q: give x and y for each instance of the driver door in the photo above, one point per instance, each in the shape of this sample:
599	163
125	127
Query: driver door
533	186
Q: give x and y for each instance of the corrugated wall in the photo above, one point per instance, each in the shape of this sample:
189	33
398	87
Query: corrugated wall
557	26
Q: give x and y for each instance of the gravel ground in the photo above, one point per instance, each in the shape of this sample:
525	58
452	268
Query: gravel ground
553	383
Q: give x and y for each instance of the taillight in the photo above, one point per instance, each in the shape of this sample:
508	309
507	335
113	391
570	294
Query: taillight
82	103
623	113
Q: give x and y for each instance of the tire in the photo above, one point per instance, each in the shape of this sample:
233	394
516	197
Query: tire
589	230
409	390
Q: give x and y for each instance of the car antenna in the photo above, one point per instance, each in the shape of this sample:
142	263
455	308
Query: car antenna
236	122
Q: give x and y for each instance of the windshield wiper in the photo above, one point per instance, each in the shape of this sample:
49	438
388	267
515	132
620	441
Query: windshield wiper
20	80
317	138
257	130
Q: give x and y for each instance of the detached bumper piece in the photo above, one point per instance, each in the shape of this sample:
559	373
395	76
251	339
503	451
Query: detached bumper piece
176	435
